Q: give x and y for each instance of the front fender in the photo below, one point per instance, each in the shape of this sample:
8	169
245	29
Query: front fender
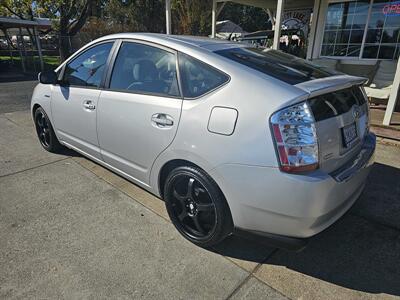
42	96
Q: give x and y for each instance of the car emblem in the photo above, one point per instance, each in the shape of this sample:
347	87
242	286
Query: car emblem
356	112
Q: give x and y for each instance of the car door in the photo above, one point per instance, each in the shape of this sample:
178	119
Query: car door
74	100
139	113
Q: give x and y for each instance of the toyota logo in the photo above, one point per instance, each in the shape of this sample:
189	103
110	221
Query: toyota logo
356	112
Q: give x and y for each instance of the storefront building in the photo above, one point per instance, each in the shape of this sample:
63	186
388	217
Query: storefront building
363	34
357	30
360	37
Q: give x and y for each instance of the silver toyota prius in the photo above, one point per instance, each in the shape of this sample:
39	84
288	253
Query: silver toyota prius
234	139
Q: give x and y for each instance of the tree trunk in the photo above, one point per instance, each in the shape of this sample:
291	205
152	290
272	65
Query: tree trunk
68	30
64	46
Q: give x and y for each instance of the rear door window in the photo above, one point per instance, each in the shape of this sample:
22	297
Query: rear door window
145	69
282	66
198	78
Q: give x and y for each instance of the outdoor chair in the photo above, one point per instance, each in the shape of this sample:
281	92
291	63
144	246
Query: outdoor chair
363	70
378	91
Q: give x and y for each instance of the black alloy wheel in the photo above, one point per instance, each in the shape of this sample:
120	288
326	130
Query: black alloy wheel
197	207
42	128
45	131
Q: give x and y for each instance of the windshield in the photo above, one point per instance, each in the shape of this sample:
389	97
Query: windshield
285	67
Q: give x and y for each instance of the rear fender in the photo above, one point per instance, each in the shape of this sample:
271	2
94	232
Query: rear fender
169	155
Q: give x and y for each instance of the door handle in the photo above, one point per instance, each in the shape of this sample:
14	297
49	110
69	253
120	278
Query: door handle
162	120
88	104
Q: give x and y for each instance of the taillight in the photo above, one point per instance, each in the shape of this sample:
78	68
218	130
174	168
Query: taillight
295	138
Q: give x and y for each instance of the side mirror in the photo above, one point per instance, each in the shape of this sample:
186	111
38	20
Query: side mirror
48	77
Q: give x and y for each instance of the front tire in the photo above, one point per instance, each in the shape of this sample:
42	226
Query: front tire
197	207
45	131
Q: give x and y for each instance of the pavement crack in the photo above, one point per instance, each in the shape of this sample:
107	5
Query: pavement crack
251	274
280	293
239	286
32	168
265	260
12	121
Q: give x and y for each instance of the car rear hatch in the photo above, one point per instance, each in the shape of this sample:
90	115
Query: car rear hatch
340	109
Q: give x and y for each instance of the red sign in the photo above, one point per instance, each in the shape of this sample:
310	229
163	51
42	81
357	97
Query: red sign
392	9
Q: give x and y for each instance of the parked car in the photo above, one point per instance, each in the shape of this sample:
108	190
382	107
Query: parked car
235	139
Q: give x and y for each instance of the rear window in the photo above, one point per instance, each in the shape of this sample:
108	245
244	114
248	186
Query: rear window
282	66
334	104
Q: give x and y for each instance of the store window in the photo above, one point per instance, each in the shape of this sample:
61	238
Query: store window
382	40
344	28
346	33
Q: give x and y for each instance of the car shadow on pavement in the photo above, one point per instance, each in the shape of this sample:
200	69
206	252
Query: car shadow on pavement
68	152
360	252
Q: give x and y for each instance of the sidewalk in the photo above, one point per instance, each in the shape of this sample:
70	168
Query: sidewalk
16	96
390	132
71	229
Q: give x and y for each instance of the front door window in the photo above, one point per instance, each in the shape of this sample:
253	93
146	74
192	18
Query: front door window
88	68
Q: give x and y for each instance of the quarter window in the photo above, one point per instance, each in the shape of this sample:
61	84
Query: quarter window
145	69
197	77
88	68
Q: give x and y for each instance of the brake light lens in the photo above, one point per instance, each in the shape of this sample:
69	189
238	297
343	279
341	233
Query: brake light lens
295	138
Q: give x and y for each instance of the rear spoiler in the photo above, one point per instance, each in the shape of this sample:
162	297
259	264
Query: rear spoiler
325	85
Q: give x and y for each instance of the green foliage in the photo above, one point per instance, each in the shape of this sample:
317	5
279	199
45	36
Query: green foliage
136	15
188	16
23	9
95	18
250	18
191	17
70	16
31	62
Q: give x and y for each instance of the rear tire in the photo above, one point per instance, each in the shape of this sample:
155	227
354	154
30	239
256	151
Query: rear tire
197	207
45	131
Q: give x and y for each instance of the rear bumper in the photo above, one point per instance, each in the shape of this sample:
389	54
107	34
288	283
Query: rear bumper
265	200
363	159
273	240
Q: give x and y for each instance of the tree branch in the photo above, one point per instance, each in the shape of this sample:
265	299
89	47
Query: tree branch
70	9
21	16
9	42
76	26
